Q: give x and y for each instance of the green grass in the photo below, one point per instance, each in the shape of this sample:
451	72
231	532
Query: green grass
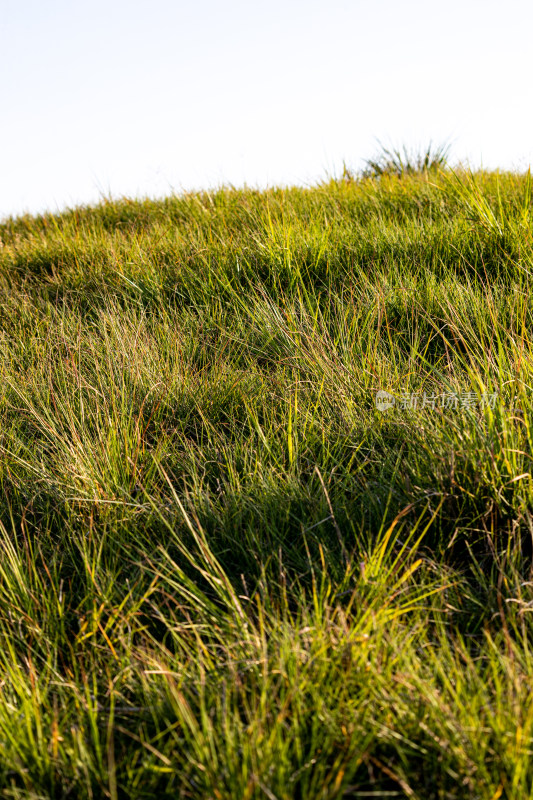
224	572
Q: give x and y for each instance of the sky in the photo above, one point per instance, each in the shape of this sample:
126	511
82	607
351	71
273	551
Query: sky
134	98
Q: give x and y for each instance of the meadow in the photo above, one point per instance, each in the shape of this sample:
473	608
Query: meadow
225	573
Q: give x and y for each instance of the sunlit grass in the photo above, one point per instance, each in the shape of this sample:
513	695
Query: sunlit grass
224	573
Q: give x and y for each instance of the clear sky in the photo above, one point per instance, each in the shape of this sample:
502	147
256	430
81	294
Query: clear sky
145	97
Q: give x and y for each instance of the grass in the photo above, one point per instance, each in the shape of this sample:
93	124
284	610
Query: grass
224	572
401	161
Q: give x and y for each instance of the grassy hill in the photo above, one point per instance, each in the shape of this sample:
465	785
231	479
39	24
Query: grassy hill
224	571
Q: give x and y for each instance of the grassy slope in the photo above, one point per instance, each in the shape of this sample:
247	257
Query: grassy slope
224	573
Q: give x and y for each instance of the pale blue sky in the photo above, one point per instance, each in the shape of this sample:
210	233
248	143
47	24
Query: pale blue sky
145	97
